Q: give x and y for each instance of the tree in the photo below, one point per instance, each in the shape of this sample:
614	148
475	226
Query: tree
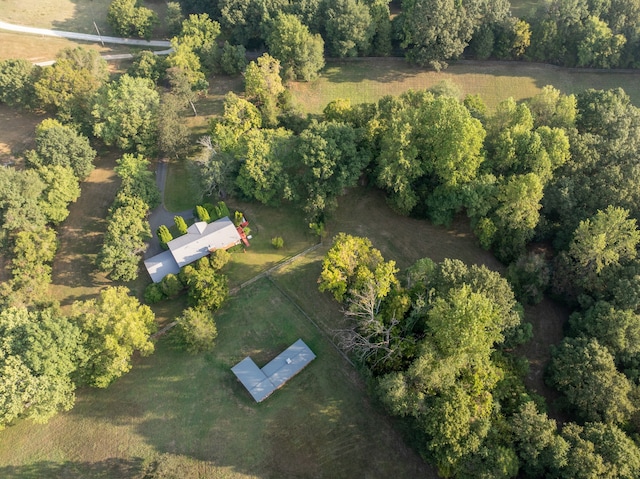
61	145
300	53
125	114
197	329
20	199
129	18
39	352
206	288
137	180
181	224
199	34
233	59
173	132
202	213
263	86
173	18
127	231
551	108
541	449
348	27
61	189
69	85
16	82
146	64
434	31
530	276
585	373
599	47
219	258
164	236
113	326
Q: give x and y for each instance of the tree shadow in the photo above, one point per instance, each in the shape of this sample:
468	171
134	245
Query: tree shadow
381	70
107	469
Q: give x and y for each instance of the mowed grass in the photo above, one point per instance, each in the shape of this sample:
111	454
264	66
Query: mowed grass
189	413
369	79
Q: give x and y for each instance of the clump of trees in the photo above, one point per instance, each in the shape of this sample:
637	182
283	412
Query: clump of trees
129	18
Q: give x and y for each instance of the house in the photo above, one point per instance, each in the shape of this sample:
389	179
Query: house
200	240
262	382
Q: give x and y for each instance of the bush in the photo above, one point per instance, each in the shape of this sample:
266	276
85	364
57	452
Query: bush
233	59
164	235
530	277
203	214
197	330
219	258
171	285
222	209
153	293
277	242
238	218
181	224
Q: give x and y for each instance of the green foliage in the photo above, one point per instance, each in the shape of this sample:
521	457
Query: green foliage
125	114
173	18
171	285
164	235
300	53
238	218
173	133
585	373
147	65
202	213
219	258
277	242
153	293
348	27
181	224
16	82
68	86
60	145
530	277
20	198
61	189
263	86
206	288
599	47
129	19
222	209
113	326
137	180
233	59
39	352
197	329
199	35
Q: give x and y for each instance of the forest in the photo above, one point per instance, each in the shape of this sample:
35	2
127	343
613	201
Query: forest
548	185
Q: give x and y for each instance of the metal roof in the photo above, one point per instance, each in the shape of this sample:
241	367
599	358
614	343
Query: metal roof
161	265
262	382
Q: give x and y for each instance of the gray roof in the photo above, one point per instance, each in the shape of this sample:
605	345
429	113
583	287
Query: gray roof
161	265
200	240
262	382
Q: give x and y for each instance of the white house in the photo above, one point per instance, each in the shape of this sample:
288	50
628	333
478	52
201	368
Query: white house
200	240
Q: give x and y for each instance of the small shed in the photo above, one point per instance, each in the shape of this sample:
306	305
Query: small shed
262	382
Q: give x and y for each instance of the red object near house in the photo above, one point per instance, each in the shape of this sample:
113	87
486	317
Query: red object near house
242	234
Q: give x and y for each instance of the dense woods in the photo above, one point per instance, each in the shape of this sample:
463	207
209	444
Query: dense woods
436	340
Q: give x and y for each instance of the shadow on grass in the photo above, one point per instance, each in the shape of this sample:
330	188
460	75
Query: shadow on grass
107	469
381	70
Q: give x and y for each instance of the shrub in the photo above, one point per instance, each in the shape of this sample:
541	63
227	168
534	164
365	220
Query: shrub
233	59
219	258
181	224
171	285
197	329
164	235
277	242
530	277
222	209
318	229
238	218
203	214
246	230
153	293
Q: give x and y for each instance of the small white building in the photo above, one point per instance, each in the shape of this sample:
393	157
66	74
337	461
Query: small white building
200	240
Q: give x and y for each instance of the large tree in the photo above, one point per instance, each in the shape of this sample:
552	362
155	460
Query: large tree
125	114
301	53
348	28
129	18
113	326
39	352
16	82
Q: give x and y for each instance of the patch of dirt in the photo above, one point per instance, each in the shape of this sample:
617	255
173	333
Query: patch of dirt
16	134
74	275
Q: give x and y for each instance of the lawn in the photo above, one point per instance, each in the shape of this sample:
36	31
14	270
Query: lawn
369	79
189	415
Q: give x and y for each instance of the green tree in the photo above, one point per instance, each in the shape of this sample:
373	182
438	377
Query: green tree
585	373
263	86
219	258
206	288
39	352
16	82
129	18
233	59
61	189
61	145
113	326
146	64
530	276
199	33
164	236
181	224
348	27
197	329
300	53
137	180
434	31
125	114
173	18
20	199
202	213
551	108
70	84
541	449
173	132
599	47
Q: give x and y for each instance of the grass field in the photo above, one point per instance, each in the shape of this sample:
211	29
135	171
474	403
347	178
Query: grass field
369	79
189	415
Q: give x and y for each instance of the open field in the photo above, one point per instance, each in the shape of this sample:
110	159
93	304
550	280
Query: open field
189	416
369	79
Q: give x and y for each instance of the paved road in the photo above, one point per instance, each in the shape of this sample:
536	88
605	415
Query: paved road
83	36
